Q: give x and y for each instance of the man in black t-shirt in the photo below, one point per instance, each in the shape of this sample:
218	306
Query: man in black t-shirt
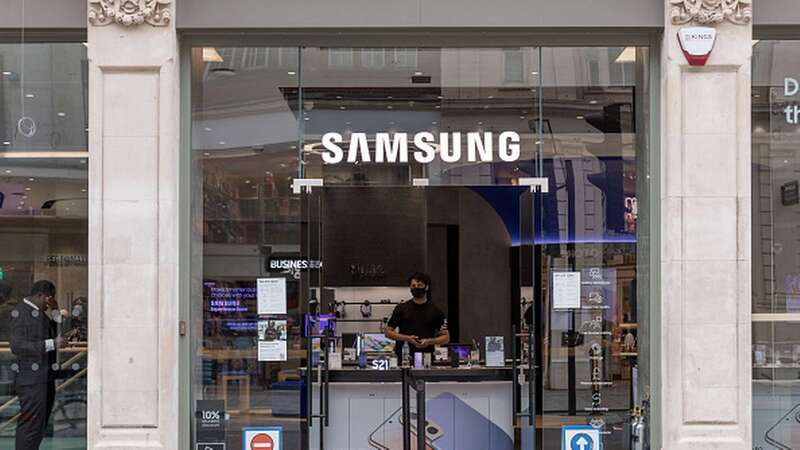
418	322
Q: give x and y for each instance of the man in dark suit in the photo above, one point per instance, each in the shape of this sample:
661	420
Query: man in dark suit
34	343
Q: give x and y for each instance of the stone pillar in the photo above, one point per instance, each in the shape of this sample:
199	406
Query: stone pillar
133	227
705	255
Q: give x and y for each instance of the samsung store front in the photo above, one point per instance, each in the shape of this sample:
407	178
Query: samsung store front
398	247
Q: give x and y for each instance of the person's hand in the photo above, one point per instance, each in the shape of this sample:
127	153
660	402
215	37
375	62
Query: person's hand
411	339
58	342
425	343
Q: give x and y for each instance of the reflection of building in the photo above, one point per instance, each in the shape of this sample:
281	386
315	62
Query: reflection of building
165	164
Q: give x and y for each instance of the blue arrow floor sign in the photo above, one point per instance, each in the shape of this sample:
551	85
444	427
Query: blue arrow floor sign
580	437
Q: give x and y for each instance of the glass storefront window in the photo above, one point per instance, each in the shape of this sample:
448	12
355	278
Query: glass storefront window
43	245
776	267
438	148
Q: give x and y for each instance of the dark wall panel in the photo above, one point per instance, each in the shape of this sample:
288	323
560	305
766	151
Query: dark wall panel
373	237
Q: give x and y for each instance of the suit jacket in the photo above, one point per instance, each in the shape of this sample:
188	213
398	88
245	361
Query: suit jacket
29	330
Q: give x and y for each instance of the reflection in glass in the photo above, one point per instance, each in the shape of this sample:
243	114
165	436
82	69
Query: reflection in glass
776	269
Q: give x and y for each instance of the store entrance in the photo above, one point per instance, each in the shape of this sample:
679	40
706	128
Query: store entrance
504	182
473	246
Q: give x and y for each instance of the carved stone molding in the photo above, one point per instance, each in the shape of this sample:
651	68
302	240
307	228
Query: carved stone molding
710	12
130	12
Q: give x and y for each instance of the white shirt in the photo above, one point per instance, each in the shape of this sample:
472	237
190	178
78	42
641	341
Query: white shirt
49	345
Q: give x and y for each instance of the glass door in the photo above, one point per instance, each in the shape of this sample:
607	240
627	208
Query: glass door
507	181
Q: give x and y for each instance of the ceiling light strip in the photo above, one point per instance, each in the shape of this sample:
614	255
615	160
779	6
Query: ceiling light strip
41	155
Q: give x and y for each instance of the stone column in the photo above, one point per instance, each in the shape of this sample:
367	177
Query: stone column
133	227
705	207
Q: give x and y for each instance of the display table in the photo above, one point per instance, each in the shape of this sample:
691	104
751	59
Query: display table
468	408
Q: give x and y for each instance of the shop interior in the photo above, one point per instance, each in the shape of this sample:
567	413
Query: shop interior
493	246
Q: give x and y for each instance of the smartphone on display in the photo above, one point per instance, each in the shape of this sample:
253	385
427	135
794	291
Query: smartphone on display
465	428
389	434
785	434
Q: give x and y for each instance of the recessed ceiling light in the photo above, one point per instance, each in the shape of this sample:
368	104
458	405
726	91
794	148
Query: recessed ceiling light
207	128
438	106
534	73
342	107
347	123
522	117
83	190
206	154
246	181
27	189
592	102
490	97
307	118
8	171
291	72
29	95
389	107
434	122
62	114
579	117
6	143
6	73
83	161
417	74
31	179
221	142
480	123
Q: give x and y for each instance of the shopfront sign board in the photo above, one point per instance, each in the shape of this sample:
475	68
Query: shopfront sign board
580	437
262	438
697	43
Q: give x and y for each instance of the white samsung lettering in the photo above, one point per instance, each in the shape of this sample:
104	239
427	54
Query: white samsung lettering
508	147
390	147
394	147
358	144
426	151
477	144
450	153
335	153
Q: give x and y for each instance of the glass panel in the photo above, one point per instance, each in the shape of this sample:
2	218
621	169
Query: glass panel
244	146
593	109
43	245
374	214
776	267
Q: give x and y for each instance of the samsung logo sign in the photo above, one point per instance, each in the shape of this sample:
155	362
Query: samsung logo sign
421	147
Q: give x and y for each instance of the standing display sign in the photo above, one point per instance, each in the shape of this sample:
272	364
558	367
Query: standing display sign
262	438
210	421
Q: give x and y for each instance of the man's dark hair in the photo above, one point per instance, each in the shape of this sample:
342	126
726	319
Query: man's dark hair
43	287
420	276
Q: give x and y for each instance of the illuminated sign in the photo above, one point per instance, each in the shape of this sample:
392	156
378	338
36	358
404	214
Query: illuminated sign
422	147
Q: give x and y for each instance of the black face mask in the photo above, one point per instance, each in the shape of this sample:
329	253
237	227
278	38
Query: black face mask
418	292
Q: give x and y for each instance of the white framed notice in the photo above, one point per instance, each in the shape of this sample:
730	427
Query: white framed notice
566	290
272	340
271	295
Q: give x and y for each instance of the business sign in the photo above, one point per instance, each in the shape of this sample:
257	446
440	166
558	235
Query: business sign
580	437
210	421
697	43
262	438
423	147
